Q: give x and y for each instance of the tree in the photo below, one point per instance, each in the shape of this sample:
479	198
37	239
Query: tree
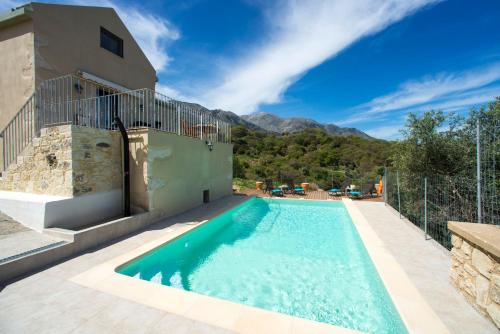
309	155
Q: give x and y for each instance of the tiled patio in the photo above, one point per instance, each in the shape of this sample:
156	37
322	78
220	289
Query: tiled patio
48	302
313	195
15	239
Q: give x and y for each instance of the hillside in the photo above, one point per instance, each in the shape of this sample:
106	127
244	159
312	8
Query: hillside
276	124
267	146
311	155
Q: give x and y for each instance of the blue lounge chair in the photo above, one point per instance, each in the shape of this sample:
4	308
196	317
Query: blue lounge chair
272	190
354	194
334	192
294	189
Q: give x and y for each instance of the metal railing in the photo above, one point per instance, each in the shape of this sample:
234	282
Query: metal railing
76	101
19	132
142	108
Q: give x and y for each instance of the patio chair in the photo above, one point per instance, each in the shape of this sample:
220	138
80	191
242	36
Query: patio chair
335	192
368	189
272	190
295	190
189	130
344	186
354	194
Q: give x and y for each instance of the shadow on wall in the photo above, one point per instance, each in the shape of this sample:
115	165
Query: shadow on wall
138	174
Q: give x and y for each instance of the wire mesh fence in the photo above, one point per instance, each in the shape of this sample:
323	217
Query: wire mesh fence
430	201
488	169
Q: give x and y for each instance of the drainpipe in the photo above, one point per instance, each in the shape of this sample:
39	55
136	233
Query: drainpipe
126	166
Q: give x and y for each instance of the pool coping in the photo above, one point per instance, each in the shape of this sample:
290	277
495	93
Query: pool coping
415	312
417	316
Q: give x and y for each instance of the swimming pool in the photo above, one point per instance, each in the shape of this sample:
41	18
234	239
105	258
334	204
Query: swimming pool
302	258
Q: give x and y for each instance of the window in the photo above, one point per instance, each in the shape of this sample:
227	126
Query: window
111	42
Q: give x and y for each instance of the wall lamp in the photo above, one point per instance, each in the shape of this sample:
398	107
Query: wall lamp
209	144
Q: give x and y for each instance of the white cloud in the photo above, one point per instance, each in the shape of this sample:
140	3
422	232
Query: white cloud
388	132
171	92
153	33
6	5
444	91
303	35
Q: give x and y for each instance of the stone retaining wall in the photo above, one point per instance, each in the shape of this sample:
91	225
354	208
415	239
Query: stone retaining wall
97	160
67	161
475	272
44	167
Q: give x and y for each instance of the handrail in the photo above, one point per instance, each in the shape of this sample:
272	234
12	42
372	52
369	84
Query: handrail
19	132
77	101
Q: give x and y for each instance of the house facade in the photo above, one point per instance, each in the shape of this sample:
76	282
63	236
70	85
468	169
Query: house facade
68	74
45	41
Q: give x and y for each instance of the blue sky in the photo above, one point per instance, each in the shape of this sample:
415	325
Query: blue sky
356	63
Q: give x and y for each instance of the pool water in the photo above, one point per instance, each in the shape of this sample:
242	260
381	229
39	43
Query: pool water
302	258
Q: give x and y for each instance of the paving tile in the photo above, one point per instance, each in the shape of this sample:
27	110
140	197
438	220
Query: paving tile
171	323
93	327
47	302
427	264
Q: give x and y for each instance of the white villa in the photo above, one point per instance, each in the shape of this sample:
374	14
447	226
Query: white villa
67	72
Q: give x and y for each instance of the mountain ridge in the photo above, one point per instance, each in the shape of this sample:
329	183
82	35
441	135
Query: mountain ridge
273	123
268	122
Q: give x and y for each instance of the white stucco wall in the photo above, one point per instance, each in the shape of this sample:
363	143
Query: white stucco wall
169	172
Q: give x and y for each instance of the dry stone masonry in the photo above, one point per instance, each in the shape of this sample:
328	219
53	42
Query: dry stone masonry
67	161
475	267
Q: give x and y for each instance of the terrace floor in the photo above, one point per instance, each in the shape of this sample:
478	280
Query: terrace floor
16	239
427	264
48	302
313	195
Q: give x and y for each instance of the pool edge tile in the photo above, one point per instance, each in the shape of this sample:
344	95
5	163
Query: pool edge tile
245	319
415	312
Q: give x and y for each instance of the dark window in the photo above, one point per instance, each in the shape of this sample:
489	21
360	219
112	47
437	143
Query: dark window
111	42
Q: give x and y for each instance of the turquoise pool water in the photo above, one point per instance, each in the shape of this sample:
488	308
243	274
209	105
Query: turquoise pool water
302	258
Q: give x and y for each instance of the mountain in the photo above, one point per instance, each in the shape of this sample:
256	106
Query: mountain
274	123
223	115
270	123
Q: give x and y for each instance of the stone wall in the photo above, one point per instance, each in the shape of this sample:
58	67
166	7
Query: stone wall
475	272
44	167
67	161
97	160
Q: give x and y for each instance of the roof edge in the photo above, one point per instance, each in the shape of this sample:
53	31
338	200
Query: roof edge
15	15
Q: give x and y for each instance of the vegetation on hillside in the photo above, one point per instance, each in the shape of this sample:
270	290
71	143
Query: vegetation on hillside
434	143
308	156
445	144
437	154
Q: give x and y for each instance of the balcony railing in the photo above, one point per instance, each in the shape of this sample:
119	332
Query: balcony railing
72	100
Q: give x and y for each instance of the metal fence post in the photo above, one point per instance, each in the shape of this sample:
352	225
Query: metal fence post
478	169
384	185
201	126
425	208
399	195
179	120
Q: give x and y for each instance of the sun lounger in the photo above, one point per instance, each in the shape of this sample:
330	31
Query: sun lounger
294	189
272	190
334	192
